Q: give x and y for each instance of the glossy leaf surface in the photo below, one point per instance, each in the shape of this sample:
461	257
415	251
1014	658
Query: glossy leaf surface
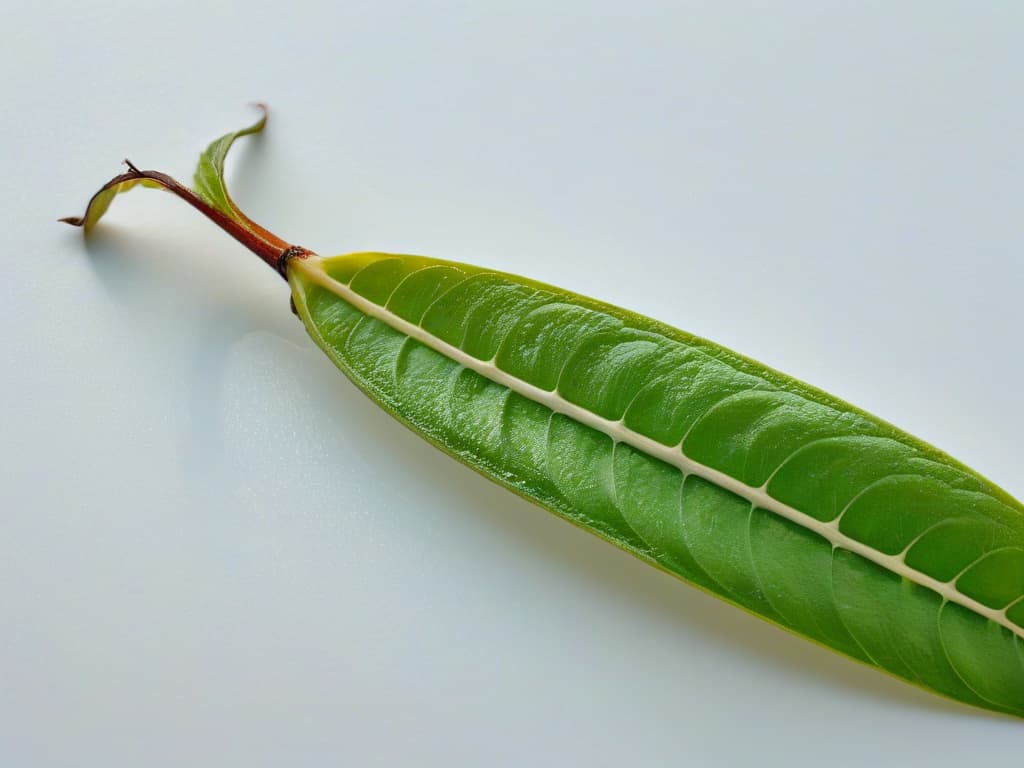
766	492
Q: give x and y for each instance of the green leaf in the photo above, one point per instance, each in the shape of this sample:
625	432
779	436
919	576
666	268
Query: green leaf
766	492
749	484
208	180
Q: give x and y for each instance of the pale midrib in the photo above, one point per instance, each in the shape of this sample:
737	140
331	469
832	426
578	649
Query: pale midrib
673	455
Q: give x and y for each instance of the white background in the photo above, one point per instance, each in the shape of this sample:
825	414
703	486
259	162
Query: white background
215	551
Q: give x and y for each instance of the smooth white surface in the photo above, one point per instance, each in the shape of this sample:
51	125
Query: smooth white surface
214	551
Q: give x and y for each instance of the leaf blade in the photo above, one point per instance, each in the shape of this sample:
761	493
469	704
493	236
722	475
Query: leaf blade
769	418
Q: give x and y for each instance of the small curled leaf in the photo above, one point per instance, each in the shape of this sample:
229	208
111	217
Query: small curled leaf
101	201
208	179
210	197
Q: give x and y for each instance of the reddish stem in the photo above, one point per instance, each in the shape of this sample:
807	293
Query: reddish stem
265	245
